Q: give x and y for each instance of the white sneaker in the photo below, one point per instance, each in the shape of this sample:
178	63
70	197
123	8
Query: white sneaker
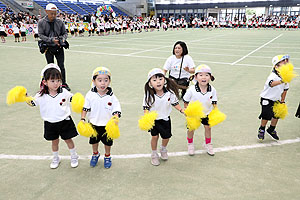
74	161
164	154
155	159
191	149
55	162
209	149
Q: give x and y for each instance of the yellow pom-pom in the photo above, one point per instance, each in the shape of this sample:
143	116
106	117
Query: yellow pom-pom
112	128
193	123
286	72
215	117
16	94
77	102
86	129
280	110
195	110
147	121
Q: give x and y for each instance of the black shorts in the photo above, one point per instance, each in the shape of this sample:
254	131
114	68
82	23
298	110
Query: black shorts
65	129
163	128
23	34
266	109
36	35
204	121
2	33
101	31
80	31
17	35
101	136
72	32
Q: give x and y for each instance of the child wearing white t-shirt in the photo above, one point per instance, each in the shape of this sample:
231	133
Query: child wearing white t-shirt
275	90
161	94
100	105
205	93
54	102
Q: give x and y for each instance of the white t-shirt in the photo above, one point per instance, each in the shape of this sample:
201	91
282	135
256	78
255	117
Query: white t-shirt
162	105
23	29
101	108
208	99
173	64
273	93
16	30
2	28
54	109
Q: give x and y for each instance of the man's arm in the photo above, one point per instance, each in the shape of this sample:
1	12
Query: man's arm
42	26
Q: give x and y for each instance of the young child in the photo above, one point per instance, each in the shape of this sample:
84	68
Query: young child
2	33
54	102
161	93
16	33
100	105
36	32
23	32
274	90
205	93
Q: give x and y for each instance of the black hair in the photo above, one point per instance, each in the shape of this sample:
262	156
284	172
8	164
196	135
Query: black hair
183	46
212	78
94	77
170	86
49	74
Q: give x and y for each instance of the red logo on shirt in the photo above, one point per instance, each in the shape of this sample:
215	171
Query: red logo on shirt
109	103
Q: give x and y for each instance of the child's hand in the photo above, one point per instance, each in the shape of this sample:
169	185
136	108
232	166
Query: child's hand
187	69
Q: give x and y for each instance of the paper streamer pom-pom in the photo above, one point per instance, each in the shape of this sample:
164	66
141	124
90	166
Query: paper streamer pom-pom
280	110
16	94
195	110
147	121
215	117
86	129
286	72
77	102
112	129
193	123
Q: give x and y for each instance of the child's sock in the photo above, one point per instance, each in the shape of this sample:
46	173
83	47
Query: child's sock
262	127
73	152
271	128
55	154
96	153
207	140
107	155
190	140
154	152
163	148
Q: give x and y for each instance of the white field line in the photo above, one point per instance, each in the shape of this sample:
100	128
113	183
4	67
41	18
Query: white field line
256	50
168	46
171	154
149	57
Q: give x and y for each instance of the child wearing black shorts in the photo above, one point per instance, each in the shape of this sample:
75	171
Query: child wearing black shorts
161	93
100	105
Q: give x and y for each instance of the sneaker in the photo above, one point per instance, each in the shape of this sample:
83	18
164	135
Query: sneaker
209	149
74	161
94	160
107	162
155	159
164	154
191	149
66	87
261	134
55	163
273	134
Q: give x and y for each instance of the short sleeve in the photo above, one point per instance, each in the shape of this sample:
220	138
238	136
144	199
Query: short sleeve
168	63
214	98
116	109
191	63
174	100
145	107
187	96
36	100
87	104
286	86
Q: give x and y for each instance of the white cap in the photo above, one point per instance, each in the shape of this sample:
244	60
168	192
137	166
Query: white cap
154	71
51	65
203	68
51	6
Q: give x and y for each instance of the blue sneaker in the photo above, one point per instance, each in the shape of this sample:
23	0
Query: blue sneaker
107	162
94	160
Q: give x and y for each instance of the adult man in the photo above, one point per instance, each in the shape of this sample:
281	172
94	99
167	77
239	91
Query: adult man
52	31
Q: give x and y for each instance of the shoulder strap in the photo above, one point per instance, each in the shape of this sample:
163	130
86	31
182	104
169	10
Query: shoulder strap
180	67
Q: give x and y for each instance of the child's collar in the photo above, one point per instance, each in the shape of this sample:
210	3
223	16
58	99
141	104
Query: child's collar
109	90
198	88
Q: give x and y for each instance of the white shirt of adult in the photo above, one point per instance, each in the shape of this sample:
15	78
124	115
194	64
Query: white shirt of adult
173	65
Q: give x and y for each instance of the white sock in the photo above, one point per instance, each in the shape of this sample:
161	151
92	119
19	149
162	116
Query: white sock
73	151
55	154
154	152
163	148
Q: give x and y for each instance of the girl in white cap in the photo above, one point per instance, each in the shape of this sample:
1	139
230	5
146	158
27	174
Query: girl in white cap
205	93
161	93
54	102
100	105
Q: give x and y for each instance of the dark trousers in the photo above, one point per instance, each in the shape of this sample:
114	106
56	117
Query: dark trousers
60	57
